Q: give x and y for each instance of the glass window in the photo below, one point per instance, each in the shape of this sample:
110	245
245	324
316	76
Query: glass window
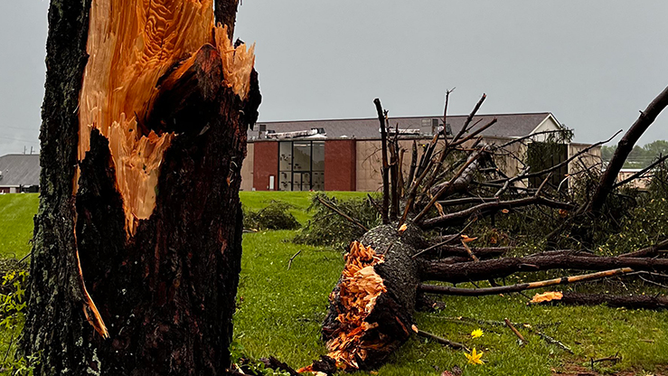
285	156
301	165
284	181
302	156
318	156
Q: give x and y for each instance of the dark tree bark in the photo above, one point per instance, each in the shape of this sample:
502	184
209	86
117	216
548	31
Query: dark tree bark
167	292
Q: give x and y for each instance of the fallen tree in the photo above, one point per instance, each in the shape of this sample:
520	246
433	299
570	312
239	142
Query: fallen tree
455	184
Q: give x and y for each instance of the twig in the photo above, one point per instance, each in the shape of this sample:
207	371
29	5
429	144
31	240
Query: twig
553	341
615	358
292	258
641	172
517	333
490	206
652	282
449	239
26	256
468	250
344	215
447	186
441	340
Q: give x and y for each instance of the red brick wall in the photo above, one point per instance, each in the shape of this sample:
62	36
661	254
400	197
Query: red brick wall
265	163
340	173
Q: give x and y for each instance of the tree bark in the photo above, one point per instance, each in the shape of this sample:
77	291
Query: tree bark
166	292
391	317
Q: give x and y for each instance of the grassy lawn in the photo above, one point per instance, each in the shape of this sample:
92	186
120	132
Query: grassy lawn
280	310
16	224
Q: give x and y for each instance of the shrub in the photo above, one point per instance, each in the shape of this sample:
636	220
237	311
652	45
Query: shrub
331	229
275	216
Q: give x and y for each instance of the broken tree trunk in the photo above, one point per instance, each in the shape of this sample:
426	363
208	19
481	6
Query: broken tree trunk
139	227
371	307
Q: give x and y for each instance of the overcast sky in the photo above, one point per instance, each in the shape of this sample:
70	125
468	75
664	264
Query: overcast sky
593	64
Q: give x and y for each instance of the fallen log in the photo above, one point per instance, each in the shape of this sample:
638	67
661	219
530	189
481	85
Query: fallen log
448	290
486	269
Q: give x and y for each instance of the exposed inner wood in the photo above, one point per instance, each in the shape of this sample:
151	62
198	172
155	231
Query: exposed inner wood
132	45
358	291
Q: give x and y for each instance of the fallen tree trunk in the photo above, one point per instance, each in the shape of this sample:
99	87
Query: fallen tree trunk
371	308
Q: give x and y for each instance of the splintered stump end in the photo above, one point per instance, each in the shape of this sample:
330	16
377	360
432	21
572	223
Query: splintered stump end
371	307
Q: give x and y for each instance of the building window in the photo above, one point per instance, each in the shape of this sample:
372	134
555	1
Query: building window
301	165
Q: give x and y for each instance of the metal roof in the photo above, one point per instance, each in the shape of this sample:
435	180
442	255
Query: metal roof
507	126
19	169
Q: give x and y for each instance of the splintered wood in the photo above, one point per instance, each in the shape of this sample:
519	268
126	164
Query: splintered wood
360	287
132	45
547	296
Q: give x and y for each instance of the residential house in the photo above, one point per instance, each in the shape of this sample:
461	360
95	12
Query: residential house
19	173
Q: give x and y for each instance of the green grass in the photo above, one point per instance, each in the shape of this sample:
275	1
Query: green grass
281	311
16	224
299	200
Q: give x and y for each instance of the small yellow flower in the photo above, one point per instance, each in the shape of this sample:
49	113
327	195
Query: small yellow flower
474	357
476	333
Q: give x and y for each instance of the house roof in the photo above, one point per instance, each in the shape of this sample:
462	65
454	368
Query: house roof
19	169
507	126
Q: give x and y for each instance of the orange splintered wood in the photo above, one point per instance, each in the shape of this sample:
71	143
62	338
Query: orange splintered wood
547	296
359	289
132	44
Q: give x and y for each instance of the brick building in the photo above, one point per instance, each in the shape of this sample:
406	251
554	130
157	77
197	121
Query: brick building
343	154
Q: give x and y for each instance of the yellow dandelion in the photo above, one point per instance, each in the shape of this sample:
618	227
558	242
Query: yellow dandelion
474	357
476	333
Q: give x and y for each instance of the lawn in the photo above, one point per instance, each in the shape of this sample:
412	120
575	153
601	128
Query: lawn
280	310
16	224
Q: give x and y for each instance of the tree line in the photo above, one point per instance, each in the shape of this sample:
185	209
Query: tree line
640	156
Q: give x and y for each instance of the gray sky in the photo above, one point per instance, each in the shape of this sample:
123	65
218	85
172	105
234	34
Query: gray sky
593	64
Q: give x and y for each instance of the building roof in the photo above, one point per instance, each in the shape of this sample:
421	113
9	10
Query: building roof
507	126
19	169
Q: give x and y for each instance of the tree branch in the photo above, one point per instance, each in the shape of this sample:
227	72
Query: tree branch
448	290
624	147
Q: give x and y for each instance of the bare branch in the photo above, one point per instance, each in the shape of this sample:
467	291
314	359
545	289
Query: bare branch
383	141
624	147
448	290
339	212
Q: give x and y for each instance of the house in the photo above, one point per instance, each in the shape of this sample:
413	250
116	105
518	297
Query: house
19	173
343	154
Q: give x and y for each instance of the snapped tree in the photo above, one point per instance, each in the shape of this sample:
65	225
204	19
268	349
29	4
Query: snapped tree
457	181
137	244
